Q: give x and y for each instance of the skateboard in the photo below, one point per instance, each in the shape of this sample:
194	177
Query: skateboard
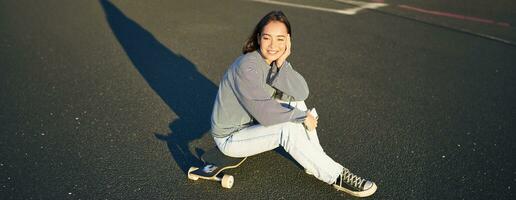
215	162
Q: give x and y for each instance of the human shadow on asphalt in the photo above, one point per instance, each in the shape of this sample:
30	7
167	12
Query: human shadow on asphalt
174	78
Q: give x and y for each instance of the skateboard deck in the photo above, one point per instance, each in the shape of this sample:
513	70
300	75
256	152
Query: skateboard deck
215	162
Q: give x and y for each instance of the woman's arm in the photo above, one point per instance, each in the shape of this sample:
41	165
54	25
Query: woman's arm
288	81
250	93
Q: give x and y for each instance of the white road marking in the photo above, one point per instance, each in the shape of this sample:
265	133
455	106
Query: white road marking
361	6
350	11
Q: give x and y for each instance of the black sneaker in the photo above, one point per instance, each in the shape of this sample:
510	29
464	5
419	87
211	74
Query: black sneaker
354	185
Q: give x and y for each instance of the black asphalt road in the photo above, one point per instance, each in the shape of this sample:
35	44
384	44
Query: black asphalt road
112	100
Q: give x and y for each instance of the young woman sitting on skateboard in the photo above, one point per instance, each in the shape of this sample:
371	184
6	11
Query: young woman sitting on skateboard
260	106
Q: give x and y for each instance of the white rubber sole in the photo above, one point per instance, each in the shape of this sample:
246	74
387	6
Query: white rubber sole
364	193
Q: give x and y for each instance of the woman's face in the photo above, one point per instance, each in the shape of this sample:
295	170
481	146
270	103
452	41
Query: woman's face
273	41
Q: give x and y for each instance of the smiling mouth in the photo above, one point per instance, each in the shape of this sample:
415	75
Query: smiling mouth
271	52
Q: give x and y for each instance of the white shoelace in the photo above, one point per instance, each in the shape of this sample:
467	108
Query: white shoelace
351	179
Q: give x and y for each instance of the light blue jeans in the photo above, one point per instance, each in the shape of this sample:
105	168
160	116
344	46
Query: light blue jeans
301	144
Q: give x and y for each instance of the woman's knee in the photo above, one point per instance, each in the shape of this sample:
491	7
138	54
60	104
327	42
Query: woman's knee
294	130
294	126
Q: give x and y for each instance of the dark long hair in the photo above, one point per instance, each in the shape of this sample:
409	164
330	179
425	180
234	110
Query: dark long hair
252	42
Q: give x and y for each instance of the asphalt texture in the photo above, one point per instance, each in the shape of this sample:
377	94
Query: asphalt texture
112	99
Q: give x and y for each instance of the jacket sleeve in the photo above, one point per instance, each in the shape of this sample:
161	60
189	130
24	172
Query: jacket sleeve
288	81
251	94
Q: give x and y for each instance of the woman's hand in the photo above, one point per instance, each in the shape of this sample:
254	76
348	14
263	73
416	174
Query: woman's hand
310	122
286	53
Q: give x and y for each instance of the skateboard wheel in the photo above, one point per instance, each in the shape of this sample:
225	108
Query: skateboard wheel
190	175
227	181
